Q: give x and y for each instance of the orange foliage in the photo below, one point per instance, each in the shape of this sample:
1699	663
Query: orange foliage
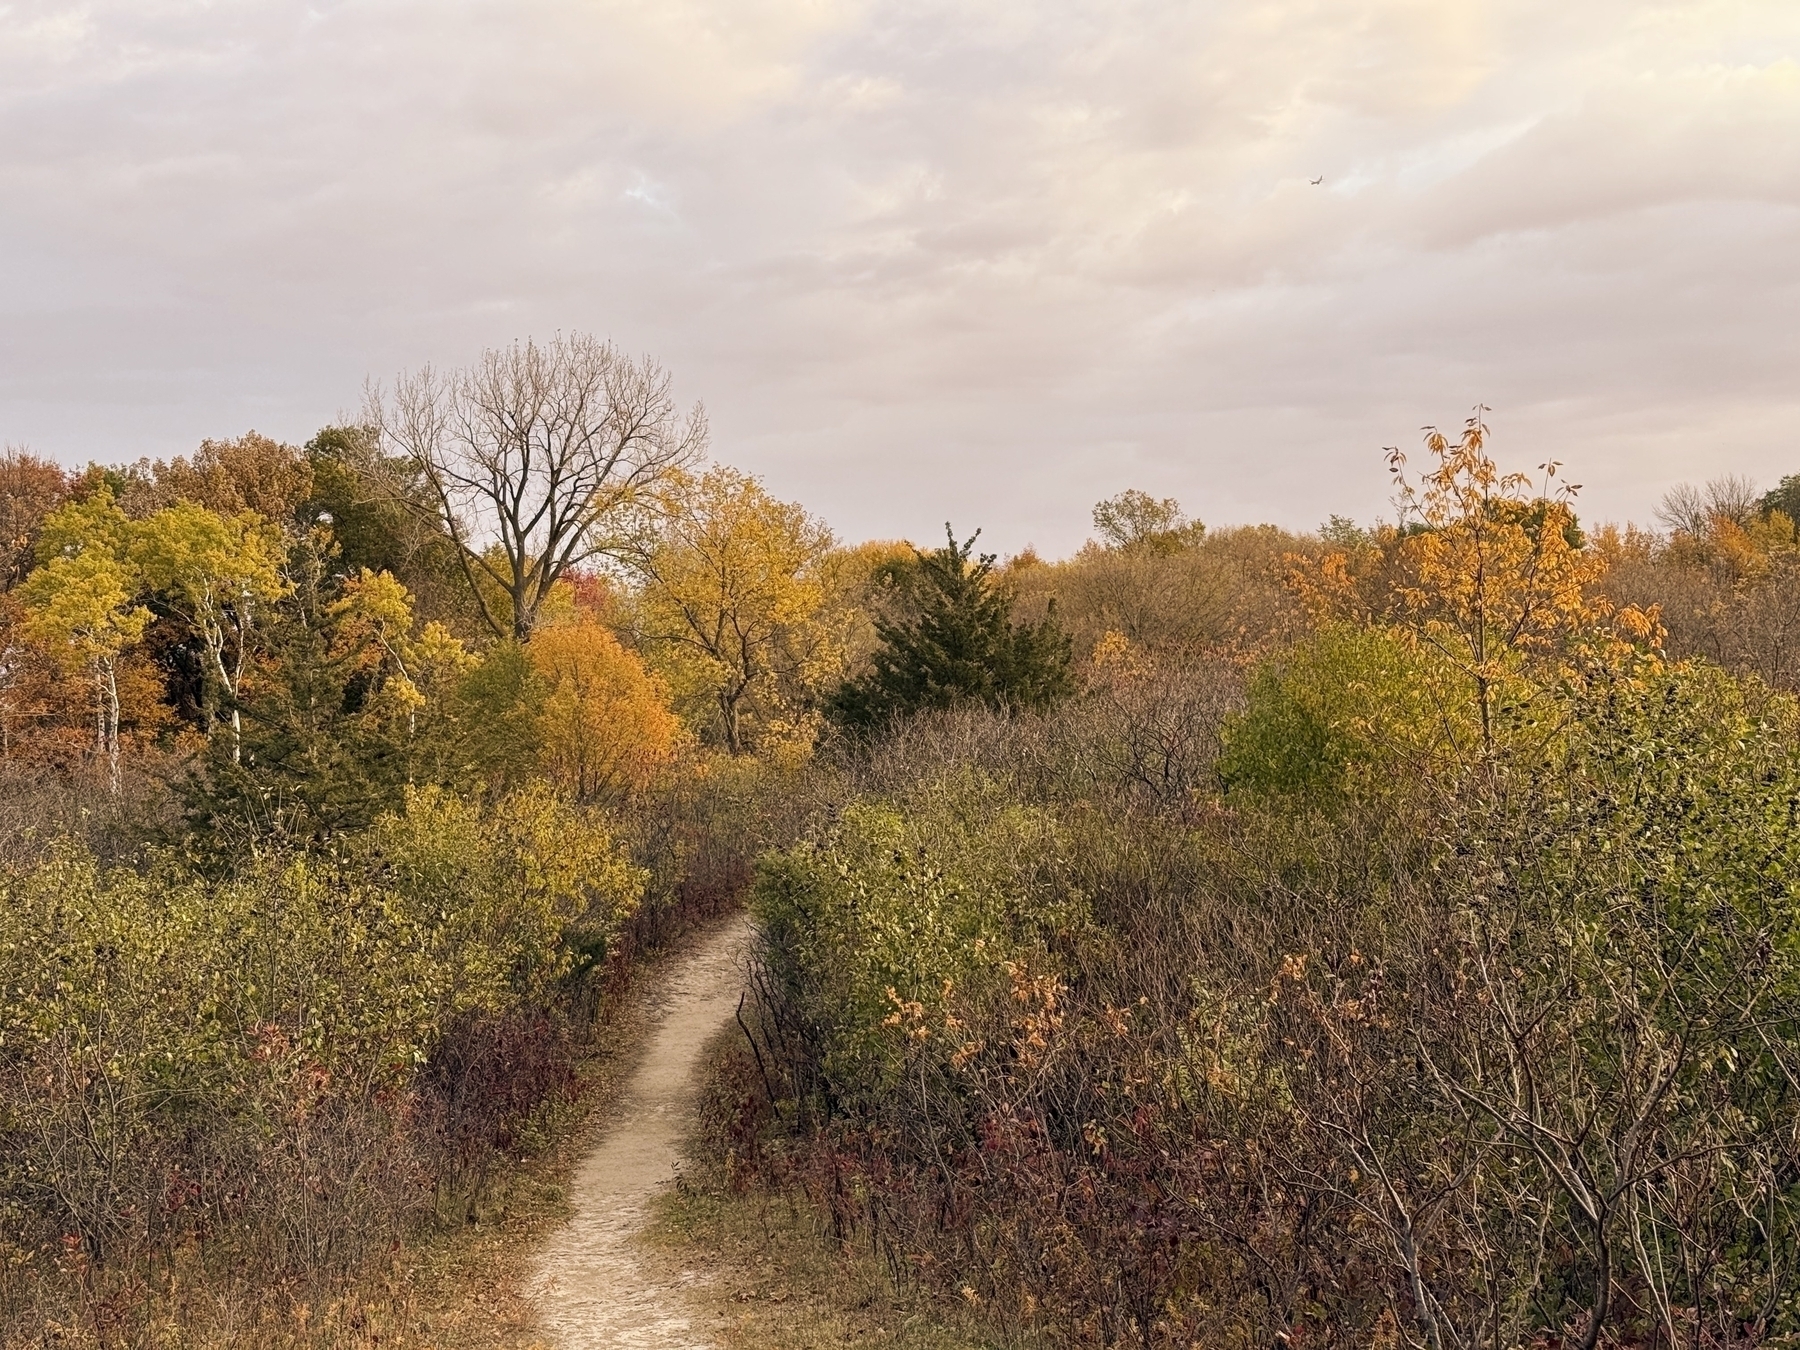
30	489
1497	576
604	725
48	712
1488	570
251	473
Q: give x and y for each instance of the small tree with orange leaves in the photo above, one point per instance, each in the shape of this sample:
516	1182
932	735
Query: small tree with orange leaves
604	723
1494	574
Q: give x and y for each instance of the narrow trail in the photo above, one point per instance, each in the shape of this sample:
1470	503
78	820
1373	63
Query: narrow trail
592	1285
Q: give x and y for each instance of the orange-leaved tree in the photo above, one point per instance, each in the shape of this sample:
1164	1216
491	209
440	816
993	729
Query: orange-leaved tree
604	724
30	489
1494	572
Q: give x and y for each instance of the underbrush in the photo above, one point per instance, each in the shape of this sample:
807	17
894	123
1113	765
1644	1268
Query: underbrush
248	1098
1443	1054
779	1277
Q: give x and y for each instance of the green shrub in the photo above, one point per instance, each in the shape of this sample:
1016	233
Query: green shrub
1345	709
907	910
213	1058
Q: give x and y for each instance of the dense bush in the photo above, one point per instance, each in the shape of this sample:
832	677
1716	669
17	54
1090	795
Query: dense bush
238	1063
1338	713
1460	1054
908	907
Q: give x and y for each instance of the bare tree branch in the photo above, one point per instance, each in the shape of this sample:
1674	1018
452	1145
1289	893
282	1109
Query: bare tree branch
536	459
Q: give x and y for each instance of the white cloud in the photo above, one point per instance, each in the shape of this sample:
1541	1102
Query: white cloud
925	258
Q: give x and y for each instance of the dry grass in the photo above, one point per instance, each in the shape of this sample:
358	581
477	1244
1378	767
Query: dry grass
457	1288
465	1288
777	1283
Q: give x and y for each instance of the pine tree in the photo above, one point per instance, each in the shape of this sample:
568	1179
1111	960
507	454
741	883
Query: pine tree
958	645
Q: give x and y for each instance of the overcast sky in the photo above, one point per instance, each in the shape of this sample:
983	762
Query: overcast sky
990	260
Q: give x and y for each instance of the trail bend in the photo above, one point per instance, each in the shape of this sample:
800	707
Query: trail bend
593	1286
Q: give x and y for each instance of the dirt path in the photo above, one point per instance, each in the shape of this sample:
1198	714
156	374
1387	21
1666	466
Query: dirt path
593	1286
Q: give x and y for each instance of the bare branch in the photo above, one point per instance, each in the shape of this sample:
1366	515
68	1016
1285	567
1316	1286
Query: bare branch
536	460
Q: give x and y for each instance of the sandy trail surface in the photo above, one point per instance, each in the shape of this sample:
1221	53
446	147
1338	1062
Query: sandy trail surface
594	1286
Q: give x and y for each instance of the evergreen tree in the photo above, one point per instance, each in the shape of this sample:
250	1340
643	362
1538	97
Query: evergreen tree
957	645
1784	498
346	713
309	767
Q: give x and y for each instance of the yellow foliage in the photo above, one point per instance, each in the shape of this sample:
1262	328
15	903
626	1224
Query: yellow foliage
1617	547
79	605
80	608
215	571
861	583
733	605
1325	585
1495	575
1745	551
604	725
521	871
374	621
91	524
1117	663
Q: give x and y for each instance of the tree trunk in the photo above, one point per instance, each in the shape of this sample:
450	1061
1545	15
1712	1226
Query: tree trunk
1602	1304
230	686
728	713
99	712
111	732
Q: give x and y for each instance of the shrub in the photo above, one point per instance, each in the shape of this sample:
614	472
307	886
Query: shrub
237	1062
1509	1054
1340	713
905	912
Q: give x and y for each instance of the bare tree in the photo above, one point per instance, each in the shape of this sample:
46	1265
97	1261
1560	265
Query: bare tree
1734	498
1694	511
537	459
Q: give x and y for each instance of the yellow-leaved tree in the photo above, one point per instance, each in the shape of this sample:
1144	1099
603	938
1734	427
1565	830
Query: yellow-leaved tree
1494	574
604	725
373	637
216	572
731	607
79	605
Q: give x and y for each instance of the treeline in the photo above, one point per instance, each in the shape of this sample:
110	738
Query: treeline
1388	936
339	786
1220	935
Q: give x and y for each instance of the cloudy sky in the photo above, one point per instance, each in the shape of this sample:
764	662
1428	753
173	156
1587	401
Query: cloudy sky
991	260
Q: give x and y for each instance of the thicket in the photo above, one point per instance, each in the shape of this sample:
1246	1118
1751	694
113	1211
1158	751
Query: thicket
1221	936
1414	964
337	809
